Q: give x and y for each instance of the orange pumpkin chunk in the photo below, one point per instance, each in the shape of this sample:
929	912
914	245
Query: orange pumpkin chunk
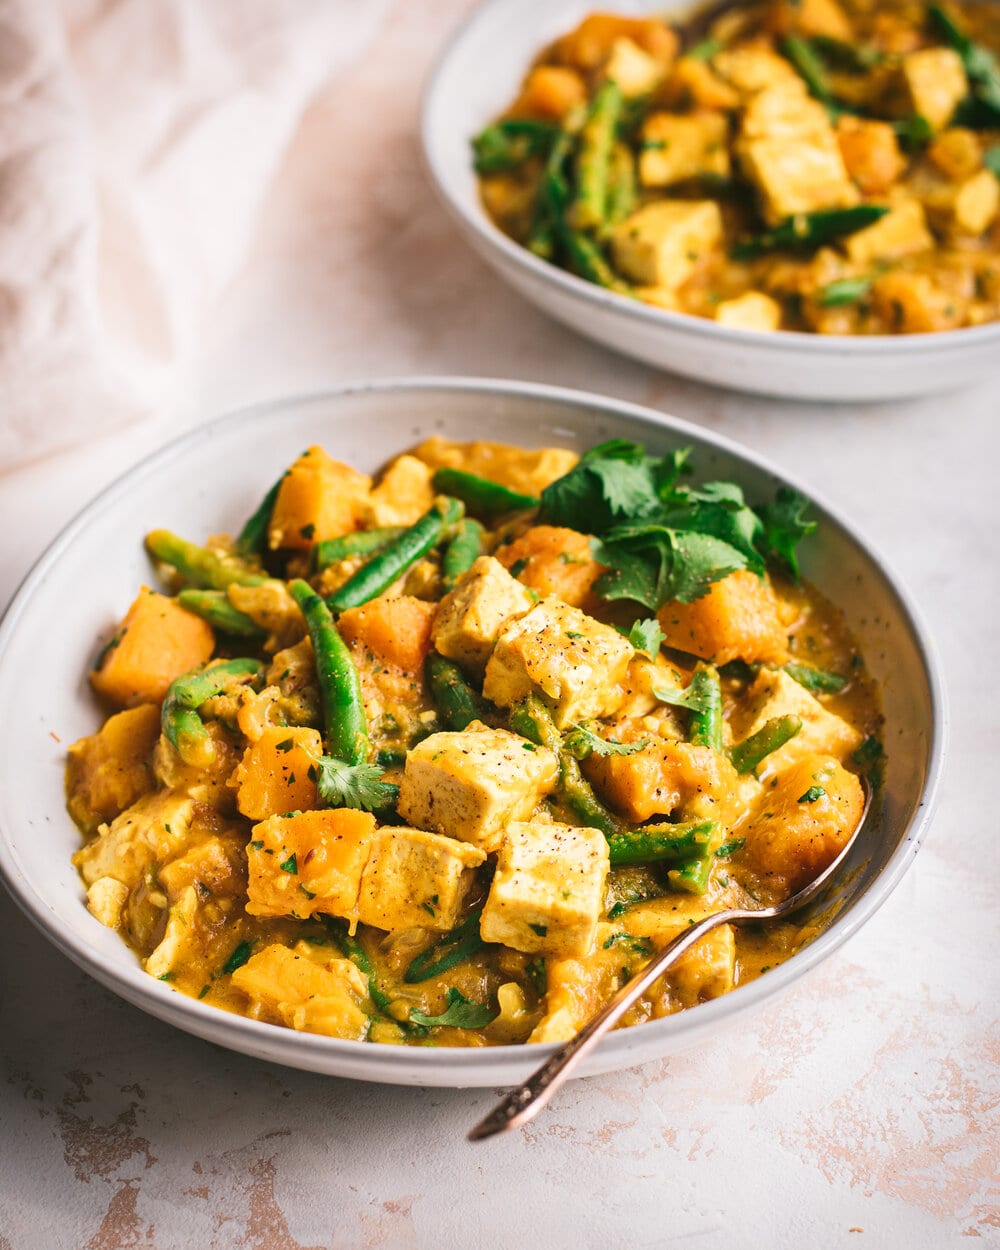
319	498
109	770
396	629
737	620
276	772
553	561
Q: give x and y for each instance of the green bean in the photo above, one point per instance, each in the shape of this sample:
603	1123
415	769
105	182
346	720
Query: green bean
621	184
705	726
214	607
508	143
462	942
346	731
360	543
843	291
593	157
810	69
455	700
772	735
179	718
199	565
588	261
692	877
810	230
533	720
394	559
850	56
462	552
479	494
704	50
551	199
663	843
981	67
253	536
817	680
352	949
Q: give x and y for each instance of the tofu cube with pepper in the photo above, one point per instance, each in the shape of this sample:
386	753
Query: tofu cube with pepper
548	891
901	232
471	785
470	617
798	174
773	694
934	83
676	147
662	243
575	663
302	988
308	862
415	879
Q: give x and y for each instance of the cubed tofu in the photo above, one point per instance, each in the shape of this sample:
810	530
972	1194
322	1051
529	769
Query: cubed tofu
632	68
156	642
415	879
802	822
934	83
811	17
277	772
575	663
693	83
403	494
181	941
553	560
470	617
471	785
901	232
783	110
318	498
105	900
977	203
871	153
215	865
548	891
751	311
774	693
309	862
663	243
752	69
659	297
303	988
708	970
799	174
149	832
738	619
107	771
590	44
675	148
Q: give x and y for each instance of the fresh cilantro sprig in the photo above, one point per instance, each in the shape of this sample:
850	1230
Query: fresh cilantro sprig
460	1013
582	742
352	785
691	698
662	538
646	636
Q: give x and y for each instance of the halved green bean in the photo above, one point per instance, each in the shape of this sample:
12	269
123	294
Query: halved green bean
809	67
455	700
810	230
462	942
479	494
552	198
587	260
462	552
705	726
621	185
179	718
662	843
817	680
508	143
704	50
252	538
200	565
214	607
693	876
533	720
774	734
393	560
593	157
346	730
843	291
359	543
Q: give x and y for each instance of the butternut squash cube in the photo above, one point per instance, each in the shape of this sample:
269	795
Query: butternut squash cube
308	862
107	771
319	498
276	773
549	93
305	989
157	642
736	620
871	153
396	629
553	560
590	45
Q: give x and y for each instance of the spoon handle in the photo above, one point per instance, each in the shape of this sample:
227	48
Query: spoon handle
524	1102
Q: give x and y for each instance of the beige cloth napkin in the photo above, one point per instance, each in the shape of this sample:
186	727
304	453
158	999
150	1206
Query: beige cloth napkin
138	140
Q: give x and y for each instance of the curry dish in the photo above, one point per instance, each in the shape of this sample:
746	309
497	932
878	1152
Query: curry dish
817	165
444	757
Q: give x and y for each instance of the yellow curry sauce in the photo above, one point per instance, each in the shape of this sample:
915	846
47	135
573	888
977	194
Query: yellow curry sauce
520	731
821	165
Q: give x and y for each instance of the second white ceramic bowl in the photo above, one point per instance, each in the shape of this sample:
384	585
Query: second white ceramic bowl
477	77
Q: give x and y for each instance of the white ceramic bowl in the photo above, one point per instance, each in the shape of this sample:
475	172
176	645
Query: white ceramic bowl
210	480
477	77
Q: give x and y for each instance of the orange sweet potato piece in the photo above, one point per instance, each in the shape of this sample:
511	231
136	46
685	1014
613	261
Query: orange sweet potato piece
107	771
590	44
550	91
737	620
871	153
319	498
395	628
156	642
660	777
274	774
553	561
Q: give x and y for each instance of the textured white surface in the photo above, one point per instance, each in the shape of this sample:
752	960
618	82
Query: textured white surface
868	1101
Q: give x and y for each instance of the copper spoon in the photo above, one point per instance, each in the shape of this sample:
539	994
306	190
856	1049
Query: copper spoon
523	1103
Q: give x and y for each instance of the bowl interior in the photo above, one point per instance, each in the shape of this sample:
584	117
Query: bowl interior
210	481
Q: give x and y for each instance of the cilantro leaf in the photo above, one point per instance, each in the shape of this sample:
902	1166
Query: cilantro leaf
784	526
353	785
646	636
689	698
460	1013
612	479
582	742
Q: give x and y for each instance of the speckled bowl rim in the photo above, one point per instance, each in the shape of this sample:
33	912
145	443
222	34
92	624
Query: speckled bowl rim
458	1066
